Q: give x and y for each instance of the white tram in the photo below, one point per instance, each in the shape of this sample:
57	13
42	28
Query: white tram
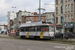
37	30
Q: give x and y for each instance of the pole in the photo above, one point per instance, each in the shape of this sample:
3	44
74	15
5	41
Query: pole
63	17
39	10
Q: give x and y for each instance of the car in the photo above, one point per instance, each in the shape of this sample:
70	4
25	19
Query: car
59	35
2	32
68	35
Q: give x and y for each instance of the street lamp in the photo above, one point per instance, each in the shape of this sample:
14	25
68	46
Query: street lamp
39	10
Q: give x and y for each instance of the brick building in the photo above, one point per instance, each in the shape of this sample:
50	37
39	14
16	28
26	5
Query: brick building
34	18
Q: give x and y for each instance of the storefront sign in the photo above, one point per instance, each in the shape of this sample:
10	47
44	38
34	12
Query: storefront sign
69	25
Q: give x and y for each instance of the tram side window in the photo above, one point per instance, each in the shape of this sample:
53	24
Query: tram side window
32	28
27	29
22	29
44	28
38	28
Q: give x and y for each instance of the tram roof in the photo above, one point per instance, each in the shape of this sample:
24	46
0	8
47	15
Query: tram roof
33	24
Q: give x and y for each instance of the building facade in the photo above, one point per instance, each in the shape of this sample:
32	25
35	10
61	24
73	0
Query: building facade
65	9
50	16
11	16
20	18
3	28
35	18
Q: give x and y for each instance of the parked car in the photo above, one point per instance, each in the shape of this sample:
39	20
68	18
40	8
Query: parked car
68	35
2	32
59	35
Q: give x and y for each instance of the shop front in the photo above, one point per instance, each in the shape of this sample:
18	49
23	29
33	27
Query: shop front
59	28
69	27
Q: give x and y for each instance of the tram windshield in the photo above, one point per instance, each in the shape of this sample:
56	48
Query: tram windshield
51	28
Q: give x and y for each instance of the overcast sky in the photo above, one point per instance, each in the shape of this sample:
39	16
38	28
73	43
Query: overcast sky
28	5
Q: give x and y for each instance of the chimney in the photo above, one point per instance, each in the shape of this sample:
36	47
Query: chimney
35	13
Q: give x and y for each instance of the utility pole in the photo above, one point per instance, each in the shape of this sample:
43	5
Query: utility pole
39	10
63	16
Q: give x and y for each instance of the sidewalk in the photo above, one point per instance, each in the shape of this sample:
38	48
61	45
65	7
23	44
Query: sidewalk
71	39
3	35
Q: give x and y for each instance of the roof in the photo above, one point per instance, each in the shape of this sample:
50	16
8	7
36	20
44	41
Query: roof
33	24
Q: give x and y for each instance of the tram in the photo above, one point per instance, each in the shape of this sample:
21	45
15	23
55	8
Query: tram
39	30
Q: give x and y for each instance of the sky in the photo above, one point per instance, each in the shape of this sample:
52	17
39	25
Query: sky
28	5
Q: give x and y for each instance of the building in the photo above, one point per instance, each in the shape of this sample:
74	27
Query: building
11	16
50	16
20	18
68	10
3	28
34	18
15	23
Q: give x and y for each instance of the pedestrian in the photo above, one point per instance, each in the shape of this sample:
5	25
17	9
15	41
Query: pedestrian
7	32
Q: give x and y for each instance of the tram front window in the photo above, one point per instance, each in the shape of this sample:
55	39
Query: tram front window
51	28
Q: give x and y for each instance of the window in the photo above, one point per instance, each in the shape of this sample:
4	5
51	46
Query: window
56	19
41	19
69	18
42	28
51	28
38	28
52	20
28	19
56	1
72	18
48	20
32	19
71	7
32	28
65	18
22	29
52	15
61	9
66	8
27	29
56	10
61	19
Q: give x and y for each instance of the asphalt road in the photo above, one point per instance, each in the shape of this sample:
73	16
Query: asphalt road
18	44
